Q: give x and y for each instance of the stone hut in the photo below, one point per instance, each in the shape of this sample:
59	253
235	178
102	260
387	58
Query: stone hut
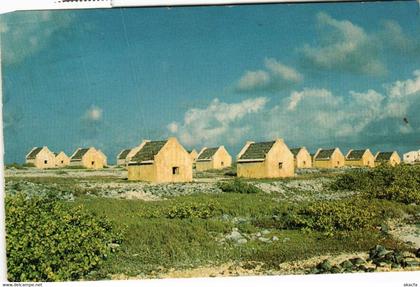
161	161
88	158
41	157
213	158
302	157
389	157
61	159
328	158
271	159
360	158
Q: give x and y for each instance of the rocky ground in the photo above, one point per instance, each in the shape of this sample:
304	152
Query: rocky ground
112	182
378	259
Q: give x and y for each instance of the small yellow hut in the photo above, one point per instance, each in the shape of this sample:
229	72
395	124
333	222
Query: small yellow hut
390	157
88	158
213	158
104	157
271	159
161	161
122	157
360	157
41	157
194	154
328	158
302	157
61	159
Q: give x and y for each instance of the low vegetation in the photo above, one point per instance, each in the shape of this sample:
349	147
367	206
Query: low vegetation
49	241
400	183
237	186
243	223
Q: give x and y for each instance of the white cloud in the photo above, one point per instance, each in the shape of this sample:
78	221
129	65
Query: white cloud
344	46
284	72
252	80
25	33
393	36
93	114
219	122
275	75
318	96
402	94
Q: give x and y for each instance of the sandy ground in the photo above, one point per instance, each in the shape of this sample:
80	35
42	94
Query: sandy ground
409	233
241	269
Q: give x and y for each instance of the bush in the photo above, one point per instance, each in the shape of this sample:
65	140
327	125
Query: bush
47	241
18	166
400	183
192	210
237	186
332	216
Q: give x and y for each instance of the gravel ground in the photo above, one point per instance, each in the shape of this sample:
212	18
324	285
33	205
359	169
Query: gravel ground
74	173
305	189
111	182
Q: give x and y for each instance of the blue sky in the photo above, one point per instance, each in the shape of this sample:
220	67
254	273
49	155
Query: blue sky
318	75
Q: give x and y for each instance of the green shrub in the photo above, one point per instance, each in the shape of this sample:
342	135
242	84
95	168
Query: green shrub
237	186
332	216
19	166
49	241
193	210
400	183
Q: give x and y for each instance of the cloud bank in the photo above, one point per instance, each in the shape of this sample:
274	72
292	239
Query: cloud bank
308	116
218	123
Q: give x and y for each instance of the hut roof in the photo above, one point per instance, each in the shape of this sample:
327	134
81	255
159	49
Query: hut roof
123	154
79	154
207	154
257	150
384	155
325	154
148	151
356	154
34	153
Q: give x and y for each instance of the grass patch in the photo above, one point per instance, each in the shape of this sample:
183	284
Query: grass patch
155	240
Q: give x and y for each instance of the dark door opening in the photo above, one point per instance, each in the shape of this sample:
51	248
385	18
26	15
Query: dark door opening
175	170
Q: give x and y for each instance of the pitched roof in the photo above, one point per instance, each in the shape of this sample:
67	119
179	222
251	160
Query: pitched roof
34	153
296	150
356	154
257	150
207	154
61	152
384	155
79	154
148	151
123	154
325	154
